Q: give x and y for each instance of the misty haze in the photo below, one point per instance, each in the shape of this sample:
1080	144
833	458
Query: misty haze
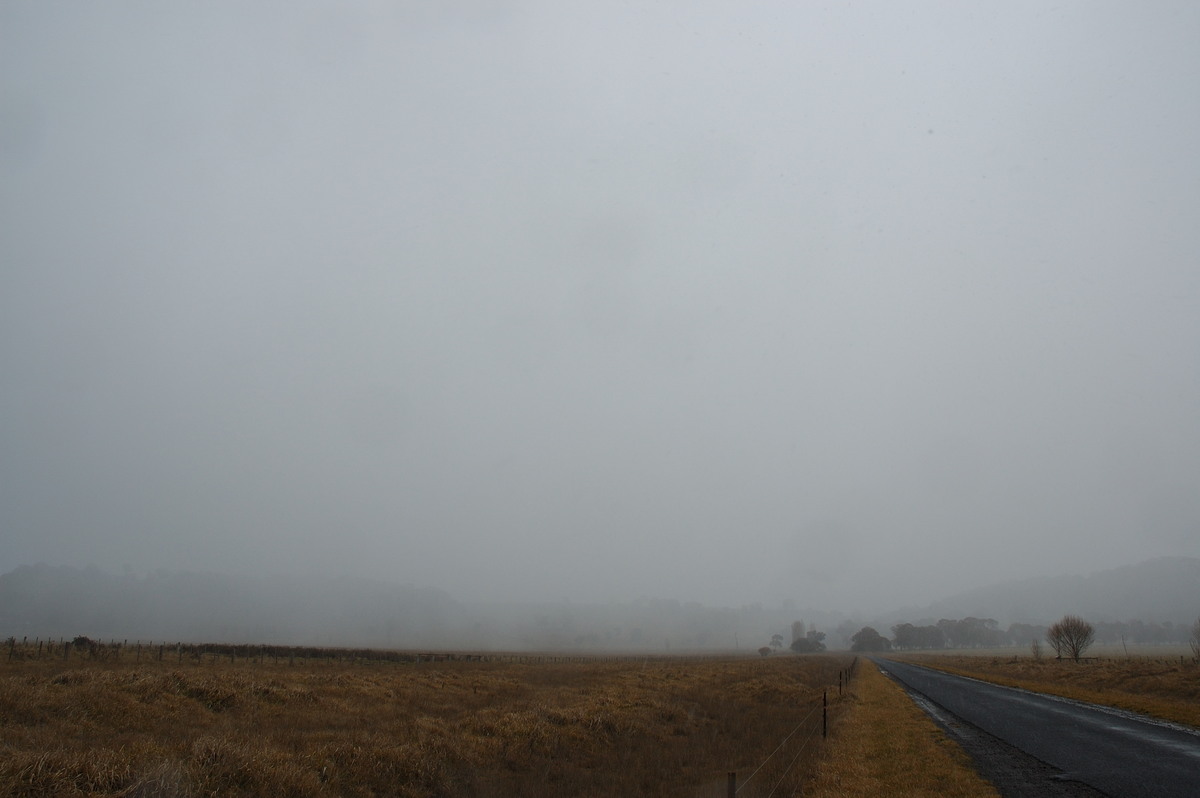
505	325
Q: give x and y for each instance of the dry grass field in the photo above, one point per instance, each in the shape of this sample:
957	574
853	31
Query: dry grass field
206	726
1166	687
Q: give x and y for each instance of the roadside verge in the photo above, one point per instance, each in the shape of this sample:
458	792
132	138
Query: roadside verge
883	744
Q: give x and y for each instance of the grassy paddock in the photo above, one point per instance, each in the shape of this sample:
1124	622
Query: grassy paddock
885	745
1160	684
97	727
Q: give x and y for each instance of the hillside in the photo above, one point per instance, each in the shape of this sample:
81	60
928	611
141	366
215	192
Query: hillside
1165	589
49	601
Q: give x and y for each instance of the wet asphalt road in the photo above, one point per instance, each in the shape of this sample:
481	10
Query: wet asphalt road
1121	755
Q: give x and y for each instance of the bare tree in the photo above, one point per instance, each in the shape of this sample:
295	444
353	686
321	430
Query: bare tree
1195	641
1035	646
1070	637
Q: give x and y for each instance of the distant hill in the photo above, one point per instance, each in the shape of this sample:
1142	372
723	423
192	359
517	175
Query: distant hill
58	601
1165	589
49	601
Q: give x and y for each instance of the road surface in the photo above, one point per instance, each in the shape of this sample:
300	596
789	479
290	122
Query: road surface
1116	753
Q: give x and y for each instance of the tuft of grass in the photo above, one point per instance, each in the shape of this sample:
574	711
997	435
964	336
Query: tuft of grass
885	745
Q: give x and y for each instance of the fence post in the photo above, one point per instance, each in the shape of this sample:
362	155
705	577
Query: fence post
731	790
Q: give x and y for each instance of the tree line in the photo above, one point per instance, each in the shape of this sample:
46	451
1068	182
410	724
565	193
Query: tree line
971	632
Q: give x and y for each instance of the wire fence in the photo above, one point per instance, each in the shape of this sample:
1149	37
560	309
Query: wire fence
779	748
812	726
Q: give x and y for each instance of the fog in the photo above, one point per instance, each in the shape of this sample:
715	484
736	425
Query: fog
848	306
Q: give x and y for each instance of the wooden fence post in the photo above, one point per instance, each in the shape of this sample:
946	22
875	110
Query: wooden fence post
731	789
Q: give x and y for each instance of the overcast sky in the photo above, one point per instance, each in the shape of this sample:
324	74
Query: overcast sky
852	304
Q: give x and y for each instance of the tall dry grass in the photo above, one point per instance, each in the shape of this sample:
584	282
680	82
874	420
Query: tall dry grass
205	727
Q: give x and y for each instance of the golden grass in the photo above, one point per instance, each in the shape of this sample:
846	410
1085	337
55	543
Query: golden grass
885	745
205	727
1163	688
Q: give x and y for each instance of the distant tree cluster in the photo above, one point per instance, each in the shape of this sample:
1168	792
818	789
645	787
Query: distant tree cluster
965	633
1071	641
1145	633
812	642
986	633
905	636
867	639
1069	637
972	632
